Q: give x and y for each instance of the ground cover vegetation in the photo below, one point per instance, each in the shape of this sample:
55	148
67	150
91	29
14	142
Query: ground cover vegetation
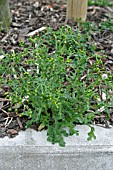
57	79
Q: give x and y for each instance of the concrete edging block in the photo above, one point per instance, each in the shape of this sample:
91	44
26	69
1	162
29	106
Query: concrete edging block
30	150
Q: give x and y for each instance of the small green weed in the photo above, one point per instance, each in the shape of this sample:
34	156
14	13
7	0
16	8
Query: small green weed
57	82
100	3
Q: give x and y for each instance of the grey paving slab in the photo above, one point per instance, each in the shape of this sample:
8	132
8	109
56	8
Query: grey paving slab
31	151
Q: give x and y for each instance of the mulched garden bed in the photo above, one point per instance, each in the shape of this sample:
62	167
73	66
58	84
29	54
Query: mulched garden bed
28	16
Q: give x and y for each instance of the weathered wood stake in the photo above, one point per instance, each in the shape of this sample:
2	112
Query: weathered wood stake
5	15
76	9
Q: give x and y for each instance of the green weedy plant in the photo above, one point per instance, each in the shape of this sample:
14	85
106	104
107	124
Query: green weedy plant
53	83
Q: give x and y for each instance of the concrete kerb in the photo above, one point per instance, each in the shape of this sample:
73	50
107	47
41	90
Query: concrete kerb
30	150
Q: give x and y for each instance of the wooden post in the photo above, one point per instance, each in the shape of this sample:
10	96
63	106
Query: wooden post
76	9
5	16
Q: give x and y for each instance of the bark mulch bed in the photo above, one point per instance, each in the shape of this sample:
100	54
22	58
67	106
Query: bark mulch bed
28	16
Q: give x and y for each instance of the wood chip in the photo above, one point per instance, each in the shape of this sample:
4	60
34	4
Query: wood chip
36	31
19	122
4	100
12	131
